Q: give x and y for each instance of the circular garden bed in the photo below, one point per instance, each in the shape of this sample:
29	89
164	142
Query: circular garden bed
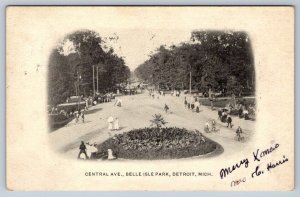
157	143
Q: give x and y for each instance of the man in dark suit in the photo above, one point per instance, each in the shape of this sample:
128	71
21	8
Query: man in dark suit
82	149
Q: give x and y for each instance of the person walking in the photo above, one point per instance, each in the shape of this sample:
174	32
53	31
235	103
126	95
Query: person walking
224	117
206	127
219	114
116	124
197	109
192	106
185	102
213	125
246	114
197	106
166	108
110	121
76	114
82	149
92	151
86	104
240	112
229	121
82	117
238	133
192	102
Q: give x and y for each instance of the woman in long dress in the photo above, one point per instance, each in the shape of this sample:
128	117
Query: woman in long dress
197	106
110	121
116	124
206	127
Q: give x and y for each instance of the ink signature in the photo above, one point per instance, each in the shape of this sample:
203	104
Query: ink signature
258	160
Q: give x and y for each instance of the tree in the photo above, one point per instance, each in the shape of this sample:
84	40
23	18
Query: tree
234	87
158	121
75	56
211	56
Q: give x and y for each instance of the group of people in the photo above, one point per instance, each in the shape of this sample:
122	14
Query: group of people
74	114
52	110
243	113
224	116
104	98
162	93
88	150
213	127
152	94
79	114
192	103
207	126
176	93
113	123
243	110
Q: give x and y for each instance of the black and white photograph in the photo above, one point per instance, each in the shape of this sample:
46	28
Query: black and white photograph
150	98
146	94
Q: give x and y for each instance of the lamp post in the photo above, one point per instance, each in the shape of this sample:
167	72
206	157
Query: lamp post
190	82
93	81
78	94
97	79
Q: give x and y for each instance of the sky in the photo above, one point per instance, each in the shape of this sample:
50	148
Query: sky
140	30
136	45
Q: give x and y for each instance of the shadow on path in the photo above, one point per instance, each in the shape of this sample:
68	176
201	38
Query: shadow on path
84	138
92	111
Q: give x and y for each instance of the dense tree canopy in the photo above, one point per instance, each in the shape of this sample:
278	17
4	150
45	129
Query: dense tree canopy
72	61
217	60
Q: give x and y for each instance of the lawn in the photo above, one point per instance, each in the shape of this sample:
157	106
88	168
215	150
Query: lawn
222	102
57	121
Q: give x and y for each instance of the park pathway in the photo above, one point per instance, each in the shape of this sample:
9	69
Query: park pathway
136	112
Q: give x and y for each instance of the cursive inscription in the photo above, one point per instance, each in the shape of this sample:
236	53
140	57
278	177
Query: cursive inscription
258	155
237	182
226	171
260	168
257	172
274	165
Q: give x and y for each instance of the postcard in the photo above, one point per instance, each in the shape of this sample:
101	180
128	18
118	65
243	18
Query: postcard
150	98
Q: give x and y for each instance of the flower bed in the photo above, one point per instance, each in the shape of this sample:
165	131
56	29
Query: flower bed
155	143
